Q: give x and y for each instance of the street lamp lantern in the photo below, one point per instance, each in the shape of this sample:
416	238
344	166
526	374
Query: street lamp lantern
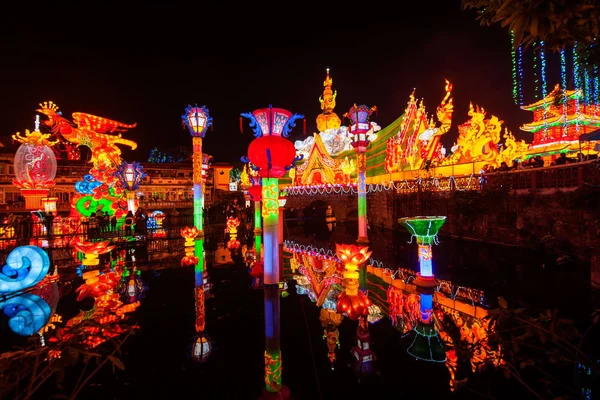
197	120
359	132
360	125
130	175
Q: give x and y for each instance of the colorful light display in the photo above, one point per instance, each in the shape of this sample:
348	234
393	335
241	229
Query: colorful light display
92	250
130	175
28	313
271	155
96	133
330	320
25	267
231	226
352	302
197	120
35	167
358	131
328	119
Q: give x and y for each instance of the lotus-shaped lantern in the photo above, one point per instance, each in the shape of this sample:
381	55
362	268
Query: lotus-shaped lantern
189	260
92	250
189	234
351	254
97	285
425	229
232	224
353	305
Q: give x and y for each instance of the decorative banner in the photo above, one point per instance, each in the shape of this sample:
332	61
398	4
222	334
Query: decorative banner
25	267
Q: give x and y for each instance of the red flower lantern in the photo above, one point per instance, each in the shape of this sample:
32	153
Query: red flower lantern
270	153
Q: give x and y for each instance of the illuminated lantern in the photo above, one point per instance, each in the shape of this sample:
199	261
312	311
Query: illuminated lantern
25	267
49	204
189	234
426	344
352	302
197	120
35	167
28	313
92	250
201	349
270	153
425	230
255	192
130	175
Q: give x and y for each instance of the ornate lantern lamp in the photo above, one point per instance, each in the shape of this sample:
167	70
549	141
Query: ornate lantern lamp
352	302
232	225
197	120
359	132
426	344
271	155
130	175
35	166
425	229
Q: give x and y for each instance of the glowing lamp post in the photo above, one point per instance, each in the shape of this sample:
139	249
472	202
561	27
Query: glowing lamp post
425	229
197	120
358	132
35	166
426	345
271	155
130	175
255	192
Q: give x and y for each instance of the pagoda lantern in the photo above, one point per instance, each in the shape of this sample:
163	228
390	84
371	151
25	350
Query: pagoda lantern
130	175
35	166
359	131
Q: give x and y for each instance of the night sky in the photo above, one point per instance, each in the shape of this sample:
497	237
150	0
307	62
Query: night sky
145	64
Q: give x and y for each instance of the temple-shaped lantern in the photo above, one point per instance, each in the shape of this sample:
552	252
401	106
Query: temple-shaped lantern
360	131
35	166
130	175
197	120
352	302
189	234
232	225
364	357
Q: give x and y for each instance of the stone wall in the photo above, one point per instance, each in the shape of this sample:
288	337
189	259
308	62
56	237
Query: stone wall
563	223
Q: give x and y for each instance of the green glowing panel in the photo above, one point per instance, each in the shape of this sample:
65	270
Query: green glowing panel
425	229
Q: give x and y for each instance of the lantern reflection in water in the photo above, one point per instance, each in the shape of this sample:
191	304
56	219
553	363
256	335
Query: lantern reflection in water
92	250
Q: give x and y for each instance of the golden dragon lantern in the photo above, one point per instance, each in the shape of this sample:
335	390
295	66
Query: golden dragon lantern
35	166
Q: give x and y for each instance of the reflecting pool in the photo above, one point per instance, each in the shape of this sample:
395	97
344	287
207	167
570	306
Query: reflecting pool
129	327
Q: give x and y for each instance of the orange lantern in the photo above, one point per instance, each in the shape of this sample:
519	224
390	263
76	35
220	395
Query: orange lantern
352	302
92	250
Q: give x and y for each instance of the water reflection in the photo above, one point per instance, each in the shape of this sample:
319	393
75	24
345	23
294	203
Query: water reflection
426	316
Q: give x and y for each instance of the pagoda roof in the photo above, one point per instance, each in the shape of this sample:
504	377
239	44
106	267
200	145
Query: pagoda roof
583	119
319	158
549	99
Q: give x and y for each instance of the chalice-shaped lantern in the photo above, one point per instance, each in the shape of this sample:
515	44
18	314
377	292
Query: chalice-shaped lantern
92	250
352	302
130	175
426	344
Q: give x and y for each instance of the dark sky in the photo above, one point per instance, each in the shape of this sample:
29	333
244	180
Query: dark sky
144	64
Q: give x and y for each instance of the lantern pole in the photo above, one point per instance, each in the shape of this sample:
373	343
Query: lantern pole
271	155
358	130
257	230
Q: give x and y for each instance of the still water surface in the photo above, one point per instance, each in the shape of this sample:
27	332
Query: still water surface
157	357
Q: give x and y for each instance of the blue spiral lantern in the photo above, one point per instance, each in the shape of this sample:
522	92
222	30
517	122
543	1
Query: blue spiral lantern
25	267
